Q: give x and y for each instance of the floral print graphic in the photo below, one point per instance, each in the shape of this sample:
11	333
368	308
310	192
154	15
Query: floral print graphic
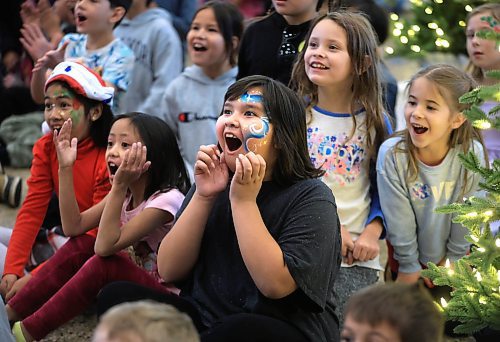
338	156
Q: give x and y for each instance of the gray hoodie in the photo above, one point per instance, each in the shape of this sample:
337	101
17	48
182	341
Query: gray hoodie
191	106
158	59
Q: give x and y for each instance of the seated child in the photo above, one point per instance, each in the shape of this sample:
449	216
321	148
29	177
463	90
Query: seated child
392	312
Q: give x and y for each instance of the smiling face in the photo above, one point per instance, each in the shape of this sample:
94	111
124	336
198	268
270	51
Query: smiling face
327	60
354	331
244	127
121	137
206	45
430	120
482	52
62	104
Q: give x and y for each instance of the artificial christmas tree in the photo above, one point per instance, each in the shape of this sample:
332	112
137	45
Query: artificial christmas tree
475	279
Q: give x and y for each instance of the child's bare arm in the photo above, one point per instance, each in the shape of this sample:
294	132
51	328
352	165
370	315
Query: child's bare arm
111	236
73	222
261	253
180	248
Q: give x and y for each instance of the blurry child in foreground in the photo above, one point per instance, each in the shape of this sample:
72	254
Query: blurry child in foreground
392	312
145	322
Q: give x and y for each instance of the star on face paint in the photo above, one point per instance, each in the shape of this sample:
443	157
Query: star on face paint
251	98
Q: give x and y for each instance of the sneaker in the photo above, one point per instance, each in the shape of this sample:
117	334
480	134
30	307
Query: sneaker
11	192
12	189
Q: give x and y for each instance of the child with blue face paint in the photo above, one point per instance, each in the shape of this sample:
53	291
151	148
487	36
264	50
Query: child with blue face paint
256	244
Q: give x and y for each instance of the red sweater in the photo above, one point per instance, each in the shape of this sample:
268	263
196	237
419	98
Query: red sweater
91	184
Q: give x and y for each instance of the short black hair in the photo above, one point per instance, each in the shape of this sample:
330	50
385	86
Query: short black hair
120	3
167	170
286	113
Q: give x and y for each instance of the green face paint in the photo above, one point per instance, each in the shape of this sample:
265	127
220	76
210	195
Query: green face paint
76	116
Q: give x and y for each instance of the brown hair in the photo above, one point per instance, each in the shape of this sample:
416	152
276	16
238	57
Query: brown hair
451	84
407	308
494	9
366	87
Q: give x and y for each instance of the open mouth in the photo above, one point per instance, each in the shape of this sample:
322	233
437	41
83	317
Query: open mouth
112	168
232	142
316	65
81	18
419	129
199	47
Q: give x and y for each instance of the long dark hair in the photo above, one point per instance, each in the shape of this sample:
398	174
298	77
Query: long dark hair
286	114
167	170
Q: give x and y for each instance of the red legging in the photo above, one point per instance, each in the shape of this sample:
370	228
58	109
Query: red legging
63	288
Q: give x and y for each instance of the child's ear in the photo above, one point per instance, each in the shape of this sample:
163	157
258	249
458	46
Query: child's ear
95	112
458	120
118	14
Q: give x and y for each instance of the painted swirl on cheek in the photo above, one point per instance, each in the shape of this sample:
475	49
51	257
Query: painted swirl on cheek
257	132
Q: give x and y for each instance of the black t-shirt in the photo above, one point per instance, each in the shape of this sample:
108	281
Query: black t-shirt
269	47
303	220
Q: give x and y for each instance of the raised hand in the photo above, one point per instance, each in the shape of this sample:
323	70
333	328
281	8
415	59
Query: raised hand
34	41
248	177
133	165
30	13
65	145
51	58
210	171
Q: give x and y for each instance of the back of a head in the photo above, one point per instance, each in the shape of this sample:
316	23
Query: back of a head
148	321
286	113
121	3
409	309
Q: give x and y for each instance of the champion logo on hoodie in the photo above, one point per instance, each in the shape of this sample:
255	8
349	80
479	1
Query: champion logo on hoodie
190	116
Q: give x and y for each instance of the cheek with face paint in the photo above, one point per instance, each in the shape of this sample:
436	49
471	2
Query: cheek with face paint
256	134
78	112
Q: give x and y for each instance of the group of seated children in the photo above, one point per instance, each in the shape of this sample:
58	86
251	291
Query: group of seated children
278	238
